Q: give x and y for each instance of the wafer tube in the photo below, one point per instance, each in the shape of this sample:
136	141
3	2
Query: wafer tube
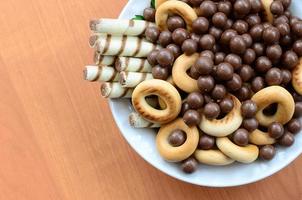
132	79
120	26
100	73
138	121
122	45
115	90
99	59
130	64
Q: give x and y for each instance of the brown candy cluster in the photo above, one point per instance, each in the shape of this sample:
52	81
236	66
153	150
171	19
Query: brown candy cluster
240	54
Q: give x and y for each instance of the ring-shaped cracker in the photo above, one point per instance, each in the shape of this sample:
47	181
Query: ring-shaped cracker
212	157
297	77
259	137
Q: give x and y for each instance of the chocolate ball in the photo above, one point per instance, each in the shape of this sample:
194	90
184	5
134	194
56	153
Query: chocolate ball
207	98
189	165
195	100
152	57
219	57
165	58
175	22
274	52
258	84
248	39
267	152
246	73
280	19
263	64
184	108
228	24
219	19
284	28
194	73
208	8
215	32
207	42
152	34
204	65
297	47
206	142
249	56
200	25
240	26
160	72
149	14
242	7
165	38
286	3
273	76
174	49
248	109
211	110
271	35
286	76
205	83
218	92
298	109
293	20
225	7
180	35
234	60
195	37
237	44
259	48
191	117
250	124
189	47
241	137
226	105
256	32
290	59
235	83
225	71
286	41
277	8
287	139
287	13
227	36
195	3
275	130
256	6
207	53
293	126
177	138
243	93
297	29
253	19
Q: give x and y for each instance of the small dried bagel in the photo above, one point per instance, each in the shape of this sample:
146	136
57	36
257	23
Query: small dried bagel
212	157
174	7
260	138
176	154
267	10
297	77
179	73
245	154
163	90
225	126
270	95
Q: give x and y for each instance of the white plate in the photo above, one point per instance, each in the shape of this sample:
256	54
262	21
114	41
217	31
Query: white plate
143	140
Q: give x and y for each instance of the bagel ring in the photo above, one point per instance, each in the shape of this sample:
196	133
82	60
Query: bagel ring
297	77
163	90
225	126
176	154
179	73
267	10
270	95
159	2
174	7
245	154
212	157
259	137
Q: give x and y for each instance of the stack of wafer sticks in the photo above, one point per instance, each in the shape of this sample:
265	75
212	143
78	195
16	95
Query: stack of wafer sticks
120	62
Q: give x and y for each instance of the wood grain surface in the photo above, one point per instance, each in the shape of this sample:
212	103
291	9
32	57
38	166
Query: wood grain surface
58	139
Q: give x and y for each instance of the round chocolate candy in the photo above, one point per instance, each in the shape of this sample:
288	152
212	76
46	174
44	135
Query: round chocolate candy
297	29
283	28
248	39
205	83
273	76
258	84
200	25
286	3
237	44
235	83
160	72
207	53
271	35
263	64
165	58
189	46
253	19
298	109
241	26
248	109
177	138
244	93
249	56
194	73
259	48
175	22
216	32
225	7
226	105
241	137
189	165
195	100
275	130
250	124
225	71
184	108
208	8
293	126
191	117
219	19
206	142
195	37
165	38
256	32
256	6
297	47
287	139
180	35
219	58
290	59
207	42
267	152
286	41
149	14
195	3
242	7
218	92
286	76
204	65
174	49
277	8
152	34
152	57
246	73
227	35
280	19
211	110
234	60
274	52
228	24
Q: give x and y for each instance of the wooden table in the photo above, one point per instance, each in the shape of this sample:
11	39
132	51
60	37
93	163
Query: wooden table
58	139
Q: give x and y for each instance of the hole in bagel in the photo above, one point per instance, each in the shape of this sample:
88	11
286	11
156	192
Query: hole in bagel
263	128
153	101
270	110
221	115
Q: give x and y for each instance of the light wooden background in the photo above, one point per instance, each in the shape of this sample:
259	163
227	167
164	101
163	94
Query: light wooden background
57	137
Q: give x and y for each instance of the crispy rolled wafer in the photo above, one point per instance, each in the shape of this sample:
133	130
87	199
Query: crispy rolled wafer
267	10
179	73
132	79
130	64
122	45
212	157
100	59
115	90
120	26
246	154
225	126
259	137
138	121
175	154
100	73
297	77
174	7
270	95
